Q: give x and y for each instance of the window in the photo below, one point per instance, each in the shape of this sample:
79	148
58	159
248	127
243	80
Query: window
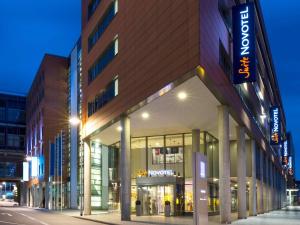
15	115
224	60
102	99
225	12
106	57
92	7
103	24
2	136
2	113
173	155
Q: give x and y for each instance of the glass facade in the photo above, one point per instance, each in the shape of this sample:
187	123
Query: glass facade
104	176
156	154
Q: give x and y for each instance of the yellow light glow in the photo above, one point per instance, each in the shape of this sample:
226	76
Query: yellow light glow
119	128
145	115
74	121
182	95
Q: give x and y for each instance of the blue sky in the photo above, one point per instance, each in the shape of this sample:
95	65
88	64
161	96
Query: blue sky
31	28
282	20
28	30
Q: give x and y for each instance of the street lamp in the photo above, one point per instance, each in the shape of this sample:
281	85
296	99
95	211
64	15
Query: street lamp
75	121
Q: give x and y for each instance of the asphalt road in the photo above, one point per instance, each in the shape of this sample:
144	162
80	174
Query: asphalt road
26	216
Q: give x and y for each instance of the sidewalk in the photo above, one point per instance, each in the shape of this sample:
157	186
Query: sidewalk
114	218
288	216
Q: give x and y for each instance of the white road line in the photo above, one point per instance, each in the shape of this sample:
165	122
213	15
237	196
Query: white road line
32	218
12	223
29	217
6	214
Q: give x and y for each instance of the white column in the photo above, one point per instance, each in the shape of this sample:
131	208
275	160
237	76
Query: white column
261	184
224	164
125	170
87	179
252	194
241	172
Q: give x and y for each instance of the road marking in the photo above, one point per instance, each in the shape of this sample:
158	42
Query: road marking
31	218
6	214
34	219
12	223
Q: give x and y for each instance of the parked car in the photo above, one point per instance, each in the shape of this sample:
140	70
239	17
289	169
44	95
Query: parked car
8	203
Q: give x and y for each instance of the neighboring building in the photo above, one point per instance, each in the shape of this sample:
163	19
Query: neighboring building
157	86
47	118
12	144
74	109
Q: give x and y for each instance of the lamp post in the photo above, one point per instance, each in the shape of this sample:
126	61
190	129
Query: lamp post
75	121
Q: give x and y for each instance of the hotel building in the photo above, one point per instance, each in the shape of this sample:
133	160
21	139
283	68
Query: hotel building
158	85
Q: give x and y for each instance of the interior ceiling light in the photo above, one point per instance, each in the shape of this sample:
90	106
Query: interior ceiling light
145	115
182	95
119	128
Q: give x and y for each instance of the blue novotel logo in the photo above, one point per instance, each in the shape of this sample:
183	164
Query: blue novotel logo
244	61
275	128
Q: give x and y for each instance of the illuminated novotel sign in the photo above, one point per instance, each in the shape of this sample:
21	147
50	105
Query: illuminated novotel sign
285	153
244	60
160	173
275	127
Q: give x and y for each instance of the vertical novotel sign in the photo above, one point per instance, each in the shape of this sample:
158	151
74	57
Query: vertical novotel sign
244	60
275	128
285	153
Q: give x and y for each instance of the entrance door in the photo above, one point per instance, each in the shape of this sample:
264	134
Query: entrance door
153	199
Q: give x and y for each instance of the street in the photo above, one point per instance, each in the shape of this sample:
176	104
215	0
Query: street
26	216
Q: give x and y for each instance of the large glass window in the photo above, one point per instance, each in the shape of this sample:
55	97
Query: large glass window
96	181
105	58
103	24
102	99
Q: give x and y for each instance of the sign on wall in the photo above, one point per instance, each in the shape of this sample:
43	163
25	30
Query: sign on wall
275	127
34	166
285	153
244	60
25	171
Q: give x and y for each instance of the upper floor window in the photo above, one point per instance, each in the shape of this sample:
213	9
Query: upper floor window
105	58
225	12
92	7
103	24
111	91
224	60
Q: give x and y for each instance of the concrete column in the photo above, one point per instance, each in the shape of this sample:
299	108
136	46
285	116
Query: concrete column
267	209
125	171
224	164
87	180
47	194
272	196
260	189
252	194
74	165
196	140
241	172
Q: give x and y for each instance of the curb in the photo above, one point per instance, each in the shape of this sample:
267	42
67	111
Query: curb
97	221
